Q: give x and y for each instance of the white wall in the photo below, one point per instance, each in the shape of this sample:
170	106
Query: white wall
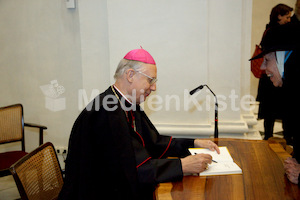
94	45
193	42
178	43
40	42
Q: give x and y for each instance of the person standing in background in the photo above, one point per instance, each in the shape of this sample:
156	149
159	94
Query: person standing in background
281	52
269	96
296	16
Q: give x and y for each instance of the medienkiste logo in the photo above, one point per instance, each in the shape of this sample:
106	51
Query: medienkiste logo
54	100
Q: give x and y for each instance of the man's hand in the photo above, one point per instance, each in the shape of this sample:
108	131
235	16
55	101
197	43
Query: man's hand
292	169
206	144
195	163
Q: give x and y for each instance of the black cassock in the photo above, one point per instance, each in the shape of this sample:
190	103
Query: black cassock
107	158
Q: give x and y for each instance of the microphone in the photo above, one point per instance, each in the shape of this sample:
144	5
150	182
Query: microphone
196	89
216	133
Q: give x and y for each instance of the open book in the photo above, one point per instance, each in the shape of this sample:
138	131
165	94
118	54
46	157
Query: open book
224	165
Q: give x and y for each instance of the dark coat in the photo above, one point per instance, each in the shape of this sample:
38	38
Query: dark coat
269	96
294	19
291	88
286	38
107	158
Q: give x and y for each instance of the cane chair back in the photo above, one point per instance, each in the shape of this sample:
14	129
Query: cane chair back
38	174
12	130
12	124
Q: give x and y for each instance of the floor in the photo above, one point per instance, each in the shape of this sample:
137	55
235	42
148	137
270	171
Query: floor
9	191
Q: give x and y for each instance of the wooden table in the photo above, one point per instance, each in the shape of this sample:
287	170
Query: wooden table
263	177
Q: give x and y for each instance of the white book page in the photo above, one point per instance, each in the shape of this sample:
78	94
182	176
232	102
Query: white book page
224	165
224	155
222	168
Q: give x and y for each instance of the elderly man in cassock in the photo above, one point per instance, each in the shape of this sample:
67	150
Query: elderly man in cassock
115	152
281	52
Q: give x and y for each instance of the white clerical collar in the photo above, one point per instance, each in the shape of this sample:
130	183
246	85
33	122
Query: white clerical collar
280	62
122	94
281	58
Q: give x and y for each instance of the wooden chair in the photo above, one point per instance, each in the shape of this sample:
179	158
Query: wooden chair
38	174
12	130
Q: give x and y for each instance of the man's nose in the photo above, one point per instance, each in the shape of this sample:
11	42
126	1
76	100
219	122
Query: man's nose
153	87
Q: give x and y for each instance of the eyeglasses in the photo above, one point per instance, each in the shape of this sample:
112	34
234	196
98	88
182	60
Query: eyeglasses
152	80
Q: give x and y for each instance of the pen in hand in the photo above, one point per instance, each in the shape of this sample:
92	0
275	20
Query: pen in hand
211	160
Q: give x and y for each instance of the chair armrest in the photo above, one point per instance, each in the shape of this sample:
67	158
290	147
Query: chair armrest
35	125
40	127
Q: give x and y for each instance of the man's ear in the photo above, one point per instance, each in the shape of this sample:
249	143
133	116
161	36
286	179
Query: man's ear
129	75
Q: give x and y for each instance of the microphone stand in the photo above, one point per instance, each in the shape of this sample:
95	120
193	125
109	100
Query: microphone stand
216	133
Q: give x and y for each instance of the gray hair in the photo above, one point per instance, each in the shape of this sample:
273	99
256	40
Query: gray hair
125	64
